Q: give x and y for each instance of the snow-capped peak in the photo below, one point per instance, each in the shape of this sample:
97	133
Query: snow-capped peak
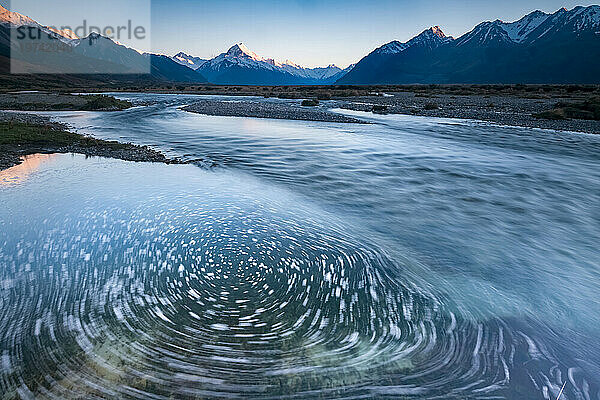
392	47
13	18
243	57
534	26
181	56
431	37
437	31
240	50
519	30
586	17
188	60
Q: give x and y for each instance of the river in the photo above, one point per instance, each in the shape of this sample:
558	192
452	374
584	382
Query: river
411	257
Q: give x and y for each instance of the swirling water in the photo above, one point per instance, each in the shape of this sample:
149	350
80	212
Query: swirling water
408	258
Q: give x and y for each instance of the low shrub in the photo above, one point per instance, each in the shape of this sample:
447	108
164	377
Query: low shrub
588	109
98	102
310	102
555	114
380	109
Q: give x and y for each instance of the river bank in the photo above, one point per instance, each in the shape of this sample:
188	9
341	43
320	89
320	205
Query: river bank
24	134
533	107
49	101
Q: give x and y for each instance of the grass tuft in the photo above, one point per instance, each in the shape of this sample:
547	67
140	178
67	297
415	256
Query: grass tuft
20	134
588	109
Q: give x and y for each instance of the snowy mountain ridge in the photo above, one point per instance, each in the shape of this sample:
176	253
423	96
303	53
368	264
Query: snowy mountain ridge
534	26
188	60
15	19
519	30
558	47
429	38
240	56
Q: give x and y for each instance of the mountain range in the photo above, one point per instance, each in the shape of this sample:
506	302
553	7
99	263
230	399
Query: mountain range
189	61
95	56
241	66
562	47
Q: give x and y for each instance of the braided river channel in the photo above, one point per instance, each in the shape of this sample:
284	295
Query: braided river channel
408	258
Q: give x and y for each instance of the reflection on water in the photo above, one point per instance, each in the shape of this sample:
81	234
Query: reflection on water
404	259
19	173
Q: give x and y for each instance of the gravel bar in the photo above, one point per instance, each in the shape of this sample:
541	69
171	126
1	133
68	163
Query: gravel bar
504	110
268	109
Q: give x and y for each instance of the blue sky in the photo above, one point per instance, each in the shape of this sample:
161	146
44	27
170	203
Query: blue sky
320	32
308	32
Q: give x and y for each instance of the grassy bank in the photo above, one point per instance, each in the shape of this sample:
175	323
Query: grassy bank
61	102
18	139
25	134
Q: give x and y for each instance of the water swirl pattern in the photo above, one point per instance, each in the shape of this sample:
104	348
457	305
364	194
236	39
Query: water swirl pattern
181	282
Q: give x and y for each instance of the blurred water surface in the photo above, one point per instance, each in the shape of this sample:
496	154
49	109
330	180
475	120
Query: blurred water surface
411	257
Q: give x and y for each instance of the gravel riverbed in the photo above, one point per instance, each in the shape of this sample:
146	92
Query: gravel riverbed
268	109
504	110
